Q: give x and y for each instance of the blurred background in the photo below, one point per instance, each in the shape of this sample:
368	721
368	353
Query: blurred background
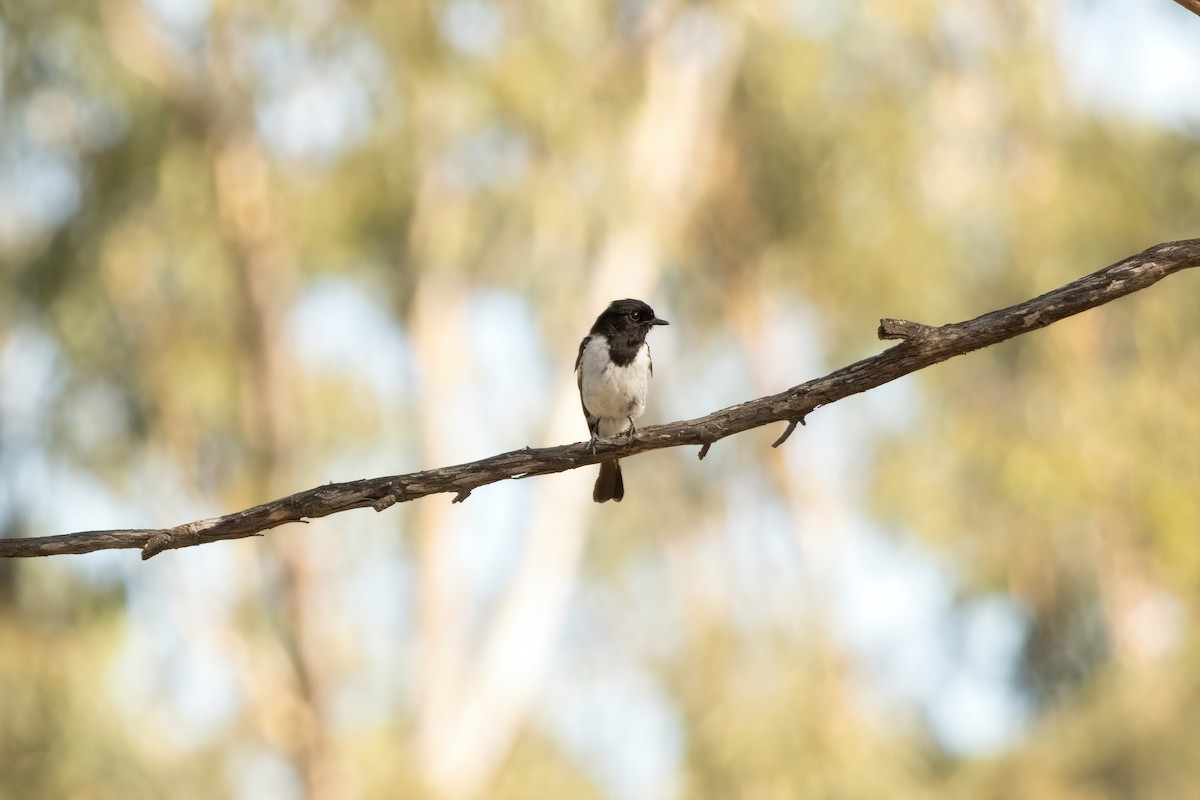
249	248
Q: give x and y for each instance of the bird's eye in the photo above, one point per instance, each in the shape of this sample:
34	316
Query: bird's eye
635	315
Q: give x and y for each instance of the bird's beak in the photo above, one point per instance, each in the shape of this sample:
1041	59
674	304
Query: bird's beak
658	321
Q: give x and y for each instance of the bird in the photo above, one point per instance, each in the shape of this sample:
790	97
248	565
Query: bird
613	372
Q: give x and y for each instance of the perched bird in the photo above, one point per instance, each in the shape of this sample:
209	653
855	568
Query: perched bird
613	371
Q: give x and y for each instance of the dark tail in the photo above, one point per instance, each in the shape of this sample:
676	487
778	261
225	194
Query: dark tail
609	485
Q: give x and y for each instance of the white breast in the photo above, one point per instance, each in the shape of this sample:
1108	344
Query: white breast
612	393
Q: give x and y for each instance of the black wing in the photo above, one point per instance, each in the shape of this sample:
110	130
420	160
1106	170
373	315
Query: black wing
579	359
579	379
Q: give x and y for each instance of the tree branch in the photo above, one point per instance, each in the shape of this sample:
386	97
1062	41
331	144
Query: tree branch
1191	5
920	346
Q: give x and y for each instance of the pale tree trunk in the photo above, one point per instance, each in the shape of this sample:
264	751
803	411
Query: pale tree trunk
437	329
806	486
260	249
487	699
443	593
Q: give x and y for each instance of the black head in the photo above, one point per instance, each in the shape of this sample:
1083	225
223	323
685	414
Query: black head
623	316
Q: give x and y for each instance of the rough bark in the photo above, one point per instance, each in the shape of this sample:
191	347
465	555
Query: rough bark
1191	5
920	346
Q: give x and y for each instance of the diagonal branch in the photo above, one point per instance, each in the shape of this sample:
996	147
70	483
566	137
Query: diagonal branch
920	346
1191	5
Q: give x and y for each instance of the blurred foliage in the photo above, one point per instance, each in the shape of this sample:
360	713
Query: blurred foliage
58	735
178	179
